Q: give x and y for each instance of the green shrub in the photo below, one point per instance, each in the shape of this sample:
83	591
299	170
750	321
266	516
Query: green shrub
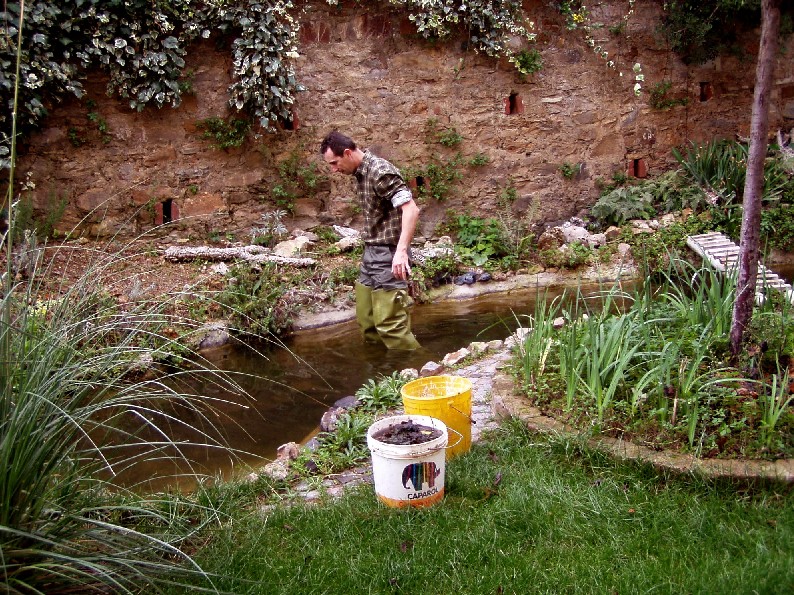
256	302
622	204
479	160
479	240
224	134
271	230
777	227
570	256
439	176
658	97
570	170
528	61
435	271
74	409
449	136
720	166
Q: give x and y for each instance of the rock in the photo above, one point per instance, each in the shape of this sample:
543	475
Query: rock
596	240
440	249
277	470
348	243
667	219
346	232
312	444
551	239
495	345
453	358
612	233
409	373
330	418
465	279
309	235
348	402
624	250
215	334
292	248
288	451
478	347
430	369
483	277
220	268
574	233
517	338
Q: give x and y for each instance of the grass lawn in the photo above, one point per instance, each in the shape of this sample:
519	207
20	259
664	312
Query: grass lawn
522	514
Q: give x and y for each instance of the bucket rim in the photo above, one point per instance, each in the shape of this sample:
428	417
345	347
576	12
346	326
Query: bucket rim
408	450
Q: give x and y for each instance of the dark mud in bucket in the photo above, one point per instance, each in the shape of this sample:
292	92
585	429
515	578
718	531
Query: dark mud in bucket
408	459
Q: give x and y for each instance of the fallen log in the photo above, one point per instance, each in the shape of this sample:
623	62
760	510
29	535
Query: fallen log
253	254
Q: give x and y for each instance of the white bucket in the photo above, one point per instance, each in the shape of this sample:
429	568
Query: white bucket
408	474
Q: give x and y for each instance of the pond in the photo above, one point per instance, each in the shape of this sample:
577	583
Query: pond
291	386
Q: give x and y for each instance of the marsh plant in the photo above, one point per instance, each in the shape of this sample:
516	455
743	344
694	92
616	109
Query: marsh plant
654	364
346	445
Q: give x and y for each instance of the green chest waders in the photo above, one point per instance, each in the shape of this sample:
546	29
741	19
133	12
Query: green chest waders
390	315
364	313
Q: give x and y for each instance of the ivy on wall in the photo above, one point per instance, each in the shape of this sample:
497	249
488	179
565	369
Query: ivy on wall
142	45
489	23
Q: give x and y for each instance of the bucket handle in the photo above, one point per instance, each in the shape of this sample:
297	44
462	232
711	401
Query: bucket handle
466	415
460	438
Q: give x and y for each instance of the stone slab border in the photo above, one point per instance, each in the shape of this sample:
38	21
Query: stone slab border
507	403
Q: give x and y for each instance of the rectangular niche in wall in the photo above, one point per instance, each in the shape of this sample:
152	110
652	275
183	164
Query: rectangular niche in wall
514	104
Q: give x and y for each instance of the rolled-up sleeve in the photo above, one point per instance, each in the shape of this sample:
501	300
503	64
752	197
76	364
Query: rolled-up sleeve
401	197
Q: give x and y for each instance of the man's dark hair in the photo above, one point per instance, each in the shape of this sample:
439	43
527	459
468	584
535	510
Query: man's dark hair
337	142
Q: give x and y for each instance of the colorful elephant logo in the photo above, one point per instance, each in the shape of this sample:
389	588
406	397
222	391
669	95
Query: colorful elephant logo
419	474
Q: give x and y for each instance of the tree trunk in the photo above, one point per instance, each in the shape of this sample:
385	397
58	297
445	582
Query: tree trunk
754	180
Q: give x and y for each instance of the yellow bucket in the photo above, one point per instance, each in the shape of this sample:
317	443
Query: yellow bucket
447	398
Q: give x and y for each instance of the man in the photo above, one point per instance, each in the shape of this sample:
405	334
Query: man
390	216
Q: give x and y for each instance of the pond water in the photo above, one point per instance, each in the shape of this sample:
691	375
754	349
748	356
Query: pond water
290	387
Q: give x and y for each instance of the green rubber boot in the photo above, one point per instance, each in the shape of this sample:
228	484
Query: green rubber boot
389	309
364	313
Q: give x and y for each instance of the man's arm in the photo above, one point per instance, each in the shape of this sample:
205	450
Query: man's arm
400	266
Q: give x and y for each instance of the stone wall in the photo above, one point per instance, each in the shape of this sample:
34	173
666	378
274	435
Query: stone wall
367	74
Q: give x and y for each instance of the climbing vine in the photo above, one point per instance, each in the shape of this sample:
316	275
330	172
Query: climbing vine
142	45
489	23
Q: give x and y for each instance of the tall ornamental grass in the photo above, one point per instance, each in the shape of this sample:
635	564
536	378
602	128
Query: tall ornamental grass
81	402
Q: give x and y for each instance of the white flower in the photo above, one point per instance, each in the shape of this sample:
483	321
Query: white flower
637	67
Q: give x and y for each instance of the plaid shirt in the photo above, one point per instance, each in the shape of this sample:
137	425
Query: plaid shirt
380	186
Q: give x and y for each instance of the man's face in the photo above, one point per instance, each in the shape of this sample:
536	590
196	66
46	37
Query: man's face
340	163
